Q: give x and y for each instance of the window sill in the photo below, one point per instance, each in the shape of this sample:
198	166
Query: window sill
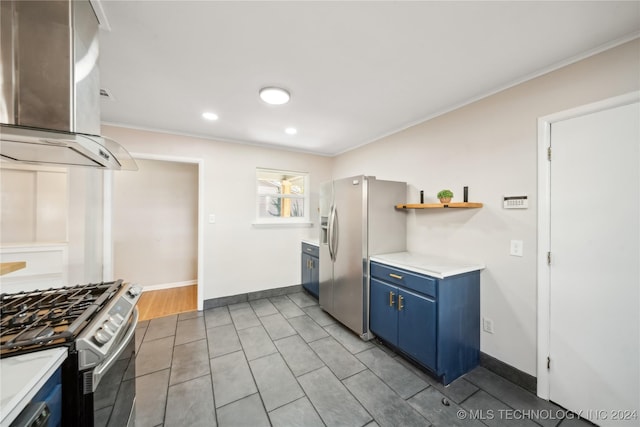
282	224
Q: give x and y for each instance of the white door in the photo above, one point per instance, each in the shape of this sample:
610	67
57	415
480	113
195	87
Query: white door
594	273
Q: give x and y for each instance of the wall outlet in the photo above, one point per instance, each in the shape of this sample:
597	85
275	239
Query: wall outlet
487	325
516	248
212	218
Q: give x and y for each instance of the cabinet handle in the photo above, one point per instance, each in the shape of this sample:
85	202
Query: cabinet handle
400	305
391	301
395	276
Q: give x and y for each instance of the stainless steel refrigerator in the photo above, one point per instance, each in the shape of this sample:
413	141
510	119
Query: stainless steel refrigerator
358	219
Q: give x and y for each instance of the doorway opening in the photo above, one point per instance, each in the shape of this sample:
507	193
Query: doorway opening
168	238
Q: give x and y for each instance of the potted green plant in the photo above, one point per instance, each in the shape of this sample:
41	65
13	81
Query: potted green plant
445	196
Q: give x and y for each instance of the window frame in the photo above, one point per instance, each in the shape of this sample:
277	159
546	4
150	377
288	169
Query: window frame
283	221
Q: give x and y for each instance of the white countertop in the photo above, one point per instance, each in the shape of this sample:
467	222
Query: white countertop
434	266
313	242
21	377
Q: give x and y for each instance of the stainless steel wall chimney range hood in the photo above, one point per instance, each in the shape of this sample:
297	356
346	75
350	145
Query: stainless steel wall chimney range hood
50	88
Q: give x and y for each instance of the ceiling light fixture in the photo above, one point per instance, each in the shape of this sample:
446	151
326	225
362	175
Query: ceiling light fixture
291	131
210	116
274	95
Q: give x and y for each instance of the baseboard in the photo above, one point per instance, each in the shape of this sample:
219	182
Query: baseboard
158	287
515	375
250	296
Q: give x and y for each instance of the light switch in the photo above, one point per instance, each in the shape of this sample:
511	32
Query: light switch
516	248
212	218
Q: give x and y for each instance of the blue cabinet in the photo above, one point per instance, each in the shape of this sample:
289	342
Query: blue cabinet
415	309
383	317
310	268
435	322
394	315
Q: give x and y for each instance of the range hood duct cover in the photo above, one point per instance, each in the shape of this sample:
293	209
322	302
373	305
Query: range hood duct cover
50	86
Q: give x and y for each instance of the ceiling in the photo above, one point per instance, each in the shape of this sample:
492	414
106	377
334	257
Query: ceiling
356	70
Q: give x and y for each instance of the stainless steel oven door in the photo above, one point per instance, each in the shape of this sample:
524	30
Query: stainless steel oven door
114	388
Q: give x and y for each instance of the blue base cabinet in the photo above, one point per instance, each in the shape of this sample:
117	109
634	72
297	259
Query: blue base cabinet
310	269
435	322
383	317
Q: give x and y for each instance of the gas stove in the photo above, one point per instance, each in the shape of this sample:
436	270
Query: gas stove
39	319
97	323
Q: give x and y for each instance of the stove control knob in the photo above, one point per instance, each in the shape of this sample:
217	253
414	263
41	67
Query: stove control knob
134	290
116	319
102	336
110	326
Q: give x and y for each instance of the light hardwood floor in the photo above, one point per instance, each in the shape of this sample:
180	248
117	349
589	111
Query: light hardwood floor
165	302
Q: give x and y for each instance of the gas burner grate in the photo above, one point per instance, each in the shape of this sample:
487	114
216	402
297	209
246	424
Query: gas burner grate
35	319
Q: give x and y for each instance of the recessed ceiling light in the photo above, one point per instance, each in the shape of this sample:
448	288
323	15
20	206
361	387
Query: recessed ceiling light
291	131
274	95
210	116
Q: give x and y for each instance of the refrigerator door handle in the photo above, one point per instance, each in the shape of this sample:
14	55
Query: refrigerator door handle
335	233
330	233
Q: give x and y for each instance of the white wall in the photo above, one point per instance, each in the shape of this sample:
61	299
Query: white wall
155	223
33	205
238	257
491	146
53	210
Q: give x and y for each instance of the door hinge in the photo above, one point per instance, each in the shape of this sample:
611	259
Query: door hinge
548	362
549	153
548	258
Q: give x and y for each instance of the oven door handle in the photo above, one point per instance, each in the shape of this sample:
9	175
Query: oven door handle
108	363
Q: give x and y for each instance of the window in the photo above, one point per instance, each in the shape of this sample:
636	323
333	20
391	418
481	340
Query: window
282	197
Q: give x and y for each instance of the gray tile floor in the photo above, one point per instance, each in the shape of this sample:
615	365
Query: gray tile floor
282	361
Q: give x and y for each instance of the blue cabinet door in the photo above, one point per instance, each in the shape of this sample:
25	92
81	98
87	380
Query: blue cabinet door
314	276
417	327
383	316
310	274
304	270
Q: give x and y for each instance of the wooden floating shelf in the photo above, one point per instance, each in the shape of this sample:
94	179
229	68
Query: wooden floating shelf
459	205
8	267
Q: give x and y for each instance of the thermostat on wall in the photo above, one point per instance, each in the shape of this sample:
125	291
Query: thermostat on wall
515	202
